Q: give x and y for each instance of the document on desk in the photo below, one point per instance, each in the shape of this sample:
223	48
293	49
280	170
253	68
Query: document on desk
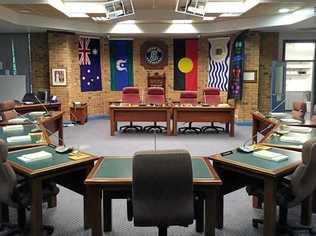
296	138
270	156
37	113
36	156
299	129
19	139
291	121
17	120
12	128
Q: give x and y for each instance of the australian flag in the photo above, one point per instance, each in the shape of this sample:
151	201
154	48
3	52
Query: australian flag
90	66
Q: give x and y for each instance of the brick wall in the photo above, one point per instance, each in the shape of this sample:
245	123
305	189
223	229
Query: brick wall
39	62
269	44
62	53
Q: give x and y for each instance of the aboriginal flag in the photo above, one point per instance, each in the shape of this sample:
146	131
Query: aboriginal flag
185	53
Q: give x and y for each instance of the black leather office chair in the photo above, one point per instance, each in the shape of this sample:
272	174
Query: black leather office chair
30	97
162	190
293	189
17	194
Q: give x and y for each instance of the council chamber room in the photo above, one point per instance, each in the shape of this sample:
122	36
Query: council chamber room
157	117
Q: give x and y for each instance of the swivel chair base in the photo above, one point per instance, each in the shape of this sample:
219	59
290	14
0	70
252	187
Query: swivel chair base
213	127
15	229
190	129
126	128
156	128
283	227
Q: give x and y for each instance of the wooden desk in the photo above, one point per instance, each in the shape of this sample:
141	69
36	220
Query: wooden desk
23	108
147	113
66	172
204	114
114	176
50	124
237	169
79	114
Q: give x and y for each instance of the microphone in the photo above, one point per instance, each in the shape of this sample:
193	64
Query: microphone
43	105
249	148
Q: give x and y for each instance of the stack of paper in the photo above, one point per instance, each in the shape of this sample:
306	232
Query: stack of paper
278	114
37	113
19	139
294	138
12	128
271	156
291	121
36	156
17	120
299	129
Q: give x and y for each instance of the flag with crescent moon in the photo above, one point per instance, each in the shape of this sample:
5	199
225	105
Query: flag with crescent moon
185	64
121	62
90	66
218	70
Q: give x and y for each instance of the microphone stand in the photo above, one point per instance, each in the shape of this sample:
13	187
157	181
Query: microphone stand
39	101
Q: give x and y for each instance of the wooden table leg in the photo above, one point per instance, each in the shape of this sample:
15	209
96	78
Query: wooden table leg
36	207
4	213
107	212
95	215
226	127
210	212
174	126
270	207
86	201
199	214
60	131
219	209
232	129
306	211
112	122
168	122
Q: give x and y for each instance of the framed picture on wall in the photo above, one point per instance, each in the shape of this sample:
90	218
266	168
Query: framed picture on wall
250	76
59	77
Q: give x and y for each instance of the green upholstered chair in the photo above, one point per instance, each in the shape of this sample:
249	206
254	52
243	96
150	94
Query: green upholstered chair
293	189
17	194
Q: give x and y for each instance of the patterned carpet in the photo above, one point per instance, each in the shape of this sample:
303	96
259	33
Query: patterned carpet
94	137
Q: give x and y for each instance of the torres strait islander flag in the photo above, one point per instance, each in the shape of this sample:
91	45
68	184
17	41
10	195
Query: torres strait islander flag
185	64
121	61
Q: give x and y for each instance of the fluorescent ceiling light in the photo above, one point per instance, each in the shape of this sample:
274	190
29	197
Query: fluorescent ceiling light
75	14
230	6
120	28
182	21
99	18
181	29
206	18
127	22
229	14
84	7
284	10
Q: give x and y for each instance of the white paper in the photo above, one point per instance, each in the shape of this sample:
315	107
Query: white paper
10	128
36	156
17	120
271	156
299	129
19	139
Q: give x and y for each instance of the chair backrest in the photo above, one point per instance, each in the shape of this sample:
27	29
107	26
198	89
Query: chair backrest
188	97
303	180
162	189
7	175
299	110
131	95
7	110
156	95
211	96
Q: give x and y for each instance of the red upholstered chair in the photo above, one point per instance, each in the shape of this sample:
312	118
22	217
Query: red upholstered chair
299	110
7	110
131	95
212	97
189	97
155	96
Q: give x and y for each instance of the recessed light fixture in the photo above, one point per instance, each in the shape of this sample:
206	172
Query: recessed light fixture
284	10
230	14
24	11
209	18
99	18
182	21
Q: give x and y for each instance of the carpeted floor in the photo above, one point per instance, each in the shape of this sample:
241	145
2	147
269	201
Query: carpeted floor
94	137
